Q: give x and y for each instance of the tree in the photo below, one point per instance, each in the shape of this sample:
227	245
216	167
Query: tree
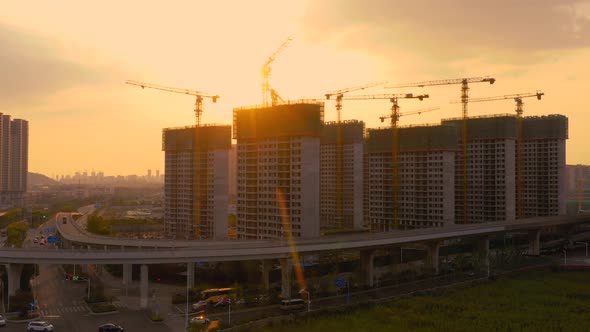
16	234
97	225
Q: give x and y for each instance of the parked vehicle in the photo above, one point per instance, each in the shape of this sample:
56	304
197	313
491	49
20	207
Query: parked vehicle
110	327
40	326
2	321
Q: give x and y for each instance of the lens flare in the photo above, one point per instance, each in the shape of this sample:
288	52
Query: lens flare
288	234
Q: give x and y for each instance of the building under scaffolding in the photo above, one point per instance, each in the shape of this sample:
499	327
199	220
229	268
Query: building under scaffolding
196	208
426	170
544	172
278	174
491	168
352	175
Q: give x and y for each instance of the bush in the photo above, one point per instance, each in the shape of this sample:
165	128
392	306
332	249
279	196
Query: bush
154	317
102	307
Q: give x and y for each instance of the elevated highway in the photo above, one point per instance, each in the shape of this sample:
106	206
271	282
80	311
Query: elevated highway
90	249
136	251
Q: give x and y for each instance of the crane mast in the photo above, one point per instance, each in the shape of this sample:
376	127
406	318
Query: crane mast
339	146
519	140
265	72
197	181
464	101
394	117
579	183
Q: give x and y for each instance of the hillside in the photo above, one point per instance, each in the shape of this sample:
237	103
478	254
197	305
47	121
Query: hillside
36	179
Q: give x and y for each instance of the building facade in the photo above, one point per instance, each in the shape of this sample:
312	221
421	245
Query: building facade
196	181
425	172
14	159
352	132
544	189
278	170
491	169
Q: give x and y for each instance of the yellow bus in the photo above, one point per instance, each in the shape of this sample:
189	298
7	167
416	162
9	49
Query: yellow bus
215	295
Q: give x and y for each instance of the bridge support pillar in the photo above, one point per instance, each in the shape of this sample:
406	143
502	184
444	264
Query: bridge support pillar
484	251
14	273
286	273
143	287
265	266
190	274
127	274
367	269
432	256
535	242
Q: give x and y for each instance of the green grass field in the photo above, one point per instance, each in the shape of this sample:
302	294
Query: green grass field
534	301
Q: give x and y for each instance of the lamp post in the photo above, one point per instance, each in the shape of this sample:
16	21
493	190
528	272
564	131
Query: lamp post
305	290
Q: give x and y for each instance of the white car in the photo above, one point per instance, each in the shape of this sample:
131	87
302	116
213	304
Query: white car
2	320
200	320
40	326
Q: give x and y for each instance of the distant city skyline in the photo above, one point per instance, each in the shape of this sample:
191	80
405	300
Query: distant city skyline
65	69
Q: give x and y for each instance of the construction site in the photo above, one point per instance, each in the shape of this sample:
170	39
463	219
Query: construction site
298	176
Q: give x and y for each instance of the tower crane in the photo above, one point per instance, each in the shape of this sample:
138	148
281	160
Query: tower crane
339	148
265	71
464	101
196	152
198	94
519	142
394	116
579	183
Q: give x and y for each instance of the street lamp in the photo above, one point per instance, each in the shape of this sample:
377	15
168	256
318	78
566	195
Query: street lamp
305	290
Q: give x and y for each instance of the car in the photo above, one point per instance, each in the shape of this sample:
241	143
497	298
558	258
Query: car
200	320
199	306
110	327
39	326
2	321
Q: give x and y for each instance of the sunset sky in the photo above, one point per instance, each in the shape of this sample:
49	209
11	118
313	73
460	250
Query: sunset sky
63	65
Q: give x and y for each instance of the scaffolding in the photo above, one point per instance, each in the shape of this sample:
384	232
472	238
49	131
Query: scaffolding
414	138
298	119
208	137
553	126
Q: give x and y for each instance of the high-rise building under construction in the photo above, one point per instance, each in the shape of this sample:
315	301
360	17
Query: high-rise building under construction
278	192
196	181
544	171
426	173
491	169
351	195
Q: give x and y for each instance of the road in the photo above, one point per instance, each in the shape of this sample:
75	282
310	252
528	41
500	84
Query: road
61	301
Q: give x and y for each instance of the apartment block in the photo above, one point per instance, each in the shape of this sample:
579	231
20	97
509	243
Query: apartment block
491	169
352	175
278	170
426	173
544	171
196	181
14	158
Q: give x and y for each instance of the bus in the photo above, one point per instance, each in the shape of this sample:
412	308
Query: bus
215	295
